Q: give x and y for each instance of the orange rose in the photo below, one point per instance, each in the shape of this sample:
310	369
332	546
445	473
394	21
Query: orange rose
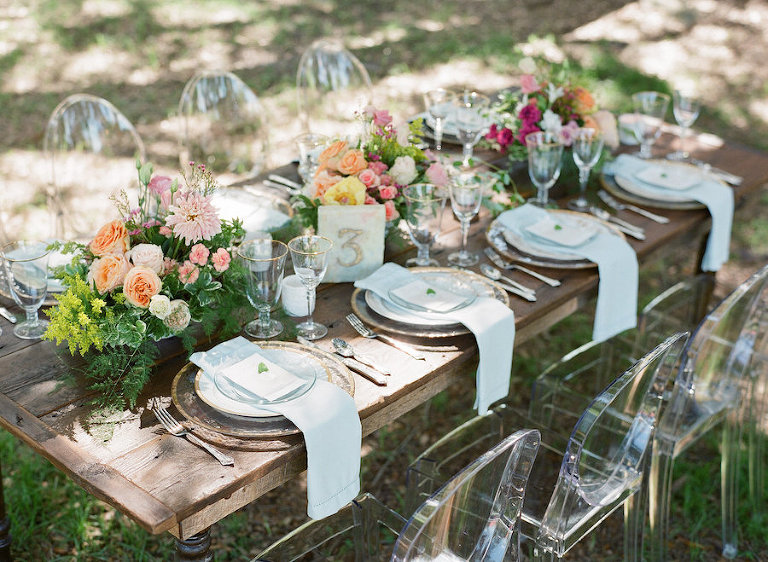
324	180
330	156
584	100
108	272
352	162
140	285
112	238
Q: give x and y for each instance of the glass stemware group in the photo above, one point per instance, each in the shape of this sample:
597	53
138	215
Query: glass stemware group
466	197
650	108
545	156
587	147
264	264
25	265
309	254
425	203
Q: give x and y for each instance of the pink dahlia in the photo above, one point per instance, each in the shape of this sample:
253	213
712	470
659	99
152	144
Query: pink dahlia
193	217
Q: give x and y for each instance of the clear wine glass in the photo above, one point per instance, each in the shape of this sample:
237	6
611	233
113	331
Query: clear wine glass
466	195
651	108
685	108
309	254
310	145
440	104
424	204
471	118
26	270
545	158
264	264
587	147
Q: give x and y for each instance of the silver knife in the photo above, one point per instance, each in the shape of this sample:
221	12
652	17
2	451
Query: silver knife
5	313
512	289
626	227
353	364
727	177
502	264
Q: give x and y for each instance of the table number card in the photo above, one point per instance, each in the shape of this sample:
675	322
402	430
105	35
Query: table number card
357	232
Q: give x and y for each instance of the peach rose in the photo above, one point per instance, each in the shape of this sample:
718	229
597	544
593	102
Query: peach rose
323	181
140	285
330	156
352	162
108	272
112	238
584	100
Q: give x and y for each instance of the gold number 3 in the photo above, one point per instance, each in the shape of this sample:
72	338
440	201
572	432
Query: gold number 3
353	233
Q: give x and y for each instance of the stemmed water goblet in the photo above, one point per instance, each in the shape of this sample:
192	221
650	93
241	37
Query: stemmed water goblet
545	158
309	254
424	203
587	146
471	118
685	108
26	271
440	104
651	108
309	145
466	195
264	264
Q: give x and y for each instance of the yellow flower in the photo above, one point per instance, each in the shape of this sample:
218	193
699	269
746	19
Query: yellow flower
349	191
83	318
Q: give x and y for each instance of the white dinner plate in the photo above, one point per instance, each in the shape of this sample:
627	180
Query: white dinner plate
636	186
299	364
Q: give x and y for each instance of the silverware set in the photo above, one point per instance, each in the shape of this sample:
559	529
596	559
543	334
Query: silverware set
616	205
175	428
350	362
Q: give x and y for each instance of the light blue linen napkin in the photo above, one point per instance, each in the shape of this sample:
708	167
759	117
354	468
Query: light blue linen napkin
491	321
327	417
616	261
717	197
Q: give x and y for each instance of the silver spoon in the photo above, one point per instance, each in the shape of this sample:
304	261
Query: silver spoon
346	350
510	285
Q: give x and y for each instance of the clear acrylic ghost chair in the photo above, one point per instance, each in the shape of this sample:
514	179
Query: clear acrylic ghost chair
332	86
225	126
713	387
364	530
476	514
92	149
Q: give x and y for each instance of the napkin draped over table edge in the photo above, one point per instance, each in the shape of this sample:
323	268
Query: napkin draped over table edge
491	321
616	308
332	432
716	196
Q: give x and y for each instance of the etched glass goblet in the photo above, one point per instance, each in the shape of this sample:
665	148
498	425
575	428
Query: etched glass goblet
26	270
440	104
587	147
466	196
309	254
471	118
264	264
651	107
424	205
545	158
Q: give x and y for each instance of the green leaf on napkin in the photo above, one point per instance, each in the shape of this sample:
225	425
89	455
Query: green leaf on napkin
263	367
431	291
558	227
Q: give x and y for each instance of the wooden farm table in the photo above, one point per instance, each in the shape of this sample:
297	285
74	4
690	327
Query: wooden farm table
167	484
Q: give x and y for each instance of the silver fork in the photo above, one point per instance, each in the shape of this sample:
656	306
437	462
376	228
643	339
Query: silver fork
609	200
503	264
366	332
175	428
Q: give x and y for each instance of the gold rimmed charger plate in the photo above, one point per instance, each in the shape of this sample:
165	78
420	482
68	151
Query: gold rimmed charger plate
214	421
367	315
494	234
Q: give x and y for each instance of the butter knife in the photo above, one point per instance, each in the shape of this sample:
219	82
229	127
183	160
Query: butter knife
5	313
353	364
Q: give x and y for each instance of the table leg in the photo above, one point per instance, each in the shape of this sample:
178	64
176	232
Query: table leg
195	548
5	527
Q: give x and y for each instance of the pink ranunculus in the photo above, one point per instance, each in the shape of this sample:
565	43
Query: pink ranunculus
159	184
220	260
188	272
530	114
492	132
528	84
390	213
386	179
437	175
378	167
381	118
505	137
370	200
369	178
388	191
568	132
199	254
165	231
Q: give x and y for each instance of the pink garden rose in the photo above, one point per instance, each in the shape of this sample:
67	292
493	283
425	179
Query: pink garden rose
381	118
530	114
436	174
386	179
148	255
378	167
369	178
220	260
388	191
188	272
199	254
528	84
370	200
159	184
390	213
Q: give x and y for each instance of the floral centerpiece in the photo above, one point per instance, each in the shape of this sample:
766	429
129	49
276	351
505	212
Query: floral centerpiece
373	170
145	277
549	101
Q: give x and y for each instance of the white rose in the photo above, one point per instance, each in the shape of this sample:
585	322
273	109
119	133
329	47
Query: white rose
551	123
178	318
160	306
403	171
527	65
148	255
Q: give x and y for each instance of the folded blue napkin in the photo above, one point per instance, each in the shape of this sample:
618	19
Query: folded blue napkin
717	197
327	417
491	321
616	261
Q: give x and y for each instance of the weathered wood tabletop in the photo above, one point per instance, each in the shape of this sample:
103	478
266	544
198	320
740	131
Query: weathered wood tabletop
167	484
